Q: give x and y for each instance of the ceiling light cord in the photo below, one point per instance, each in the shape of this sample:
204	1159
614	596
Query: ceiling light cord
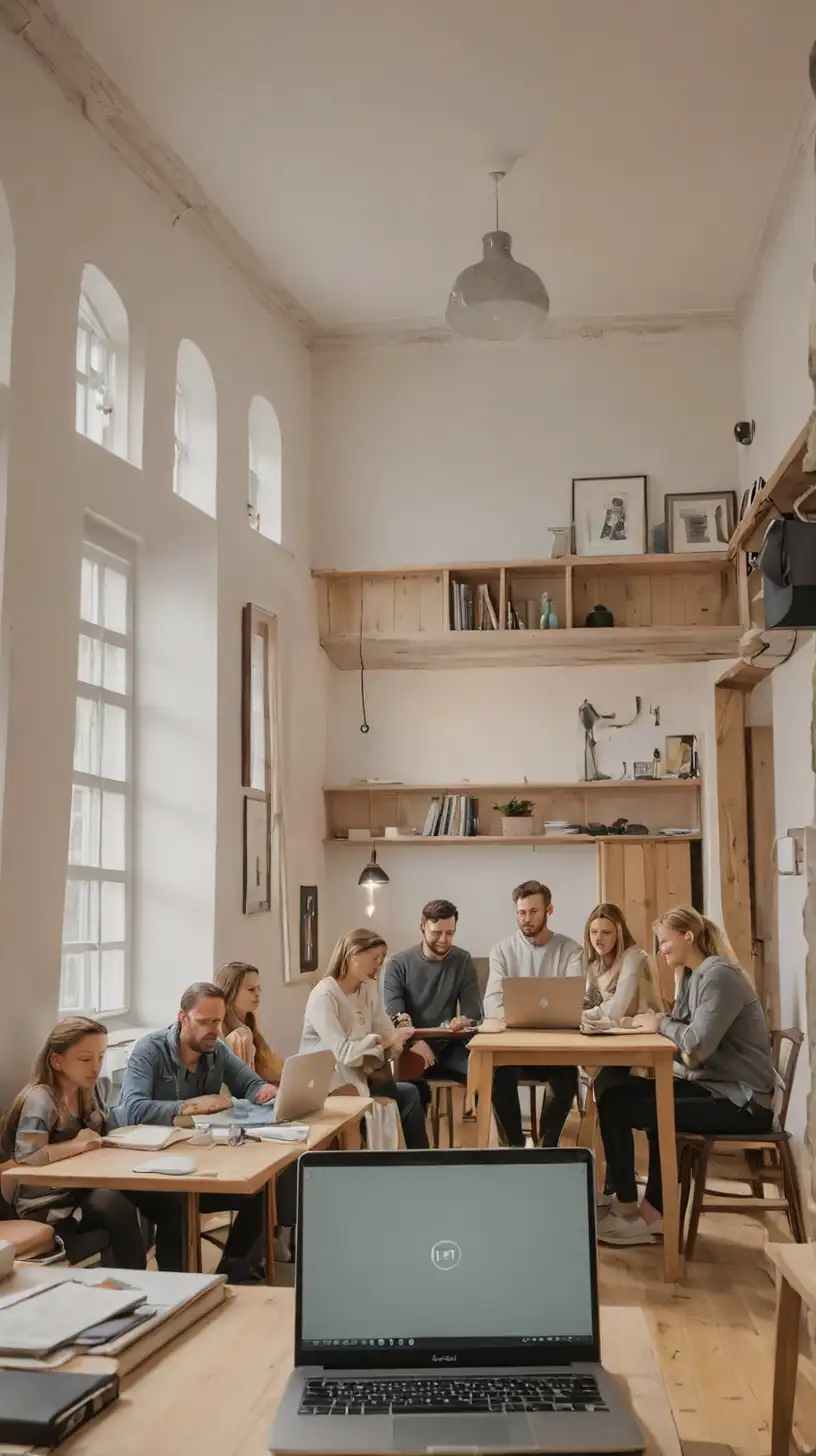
364	726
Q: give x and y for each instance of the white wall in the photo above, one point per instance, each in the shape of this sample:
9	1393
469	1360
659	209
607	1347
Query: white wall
72	202
457	452
777	395
431	453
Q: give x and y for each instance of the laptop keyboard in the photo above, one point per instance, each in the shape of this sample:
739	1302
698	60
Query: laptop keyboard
452	1395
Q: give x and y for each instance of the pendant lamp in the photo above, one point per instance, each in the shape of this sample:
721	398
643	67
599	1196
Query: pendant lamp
373	874
497	298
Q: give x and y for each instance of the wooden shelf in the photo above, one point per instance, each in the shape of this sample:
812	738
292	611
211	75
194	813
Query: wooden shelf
534	839
581	786
778	495
680	608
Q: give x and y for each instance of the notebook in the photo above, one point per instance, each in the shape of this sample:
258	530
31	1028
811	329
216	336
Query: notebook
147	1137
41	1408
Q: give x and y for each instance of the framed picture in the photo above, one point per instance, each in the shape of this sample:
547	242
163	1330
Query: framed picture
644	770
308	928
257	888
609	515
682	758
701	521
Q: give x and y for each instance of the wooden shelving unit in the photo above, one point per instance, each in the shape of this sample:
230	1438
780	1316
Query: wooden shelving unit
778	495
659	804
681	608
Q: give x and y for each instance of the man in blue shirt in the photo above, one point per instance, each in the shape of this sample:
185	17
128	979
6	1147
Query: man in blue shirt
179	1072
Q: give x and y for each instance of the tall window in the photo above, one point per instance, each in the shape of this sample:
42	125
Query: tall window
95	938
195	466
265	469
181	449
95	369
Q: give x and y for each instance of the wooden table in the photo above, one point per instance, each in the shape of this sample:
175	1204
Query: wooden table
244	1170
214	1391
491	1049
797	1282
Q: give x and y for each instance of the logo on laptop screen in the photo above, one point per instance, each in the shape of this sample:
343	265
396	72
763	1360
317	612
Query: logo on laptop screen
446	1254
544	1003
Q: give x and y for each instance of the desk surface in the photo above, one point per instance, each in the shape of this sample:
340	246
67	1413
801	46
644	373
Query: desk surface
242	1354
797	1264
638	1046
221	1169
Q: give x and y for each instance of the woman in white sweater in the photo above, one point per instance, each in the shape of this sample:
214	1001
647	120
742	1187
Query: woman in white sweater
345	1015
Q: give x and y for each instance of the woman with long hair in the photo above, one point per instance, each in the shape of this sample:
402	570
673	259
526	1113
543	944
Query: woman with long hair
241	984
724	1078
621	980
59	1114
345	1015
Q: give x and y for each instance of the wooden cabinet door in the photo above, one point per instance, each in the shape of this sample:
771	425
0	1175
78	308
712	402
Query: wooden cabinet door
645	880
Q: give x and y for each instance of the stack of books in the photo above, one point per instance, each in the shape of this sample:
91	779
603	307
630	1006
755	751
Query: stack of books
473	609
451	816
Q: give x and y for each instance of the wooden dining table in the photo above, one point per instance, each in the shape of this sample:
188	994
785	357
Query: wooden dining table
496	1046
245	1170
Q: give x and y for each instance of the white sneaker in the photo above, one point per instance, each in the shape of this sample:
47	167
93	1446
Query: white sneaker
603	1203
622	1232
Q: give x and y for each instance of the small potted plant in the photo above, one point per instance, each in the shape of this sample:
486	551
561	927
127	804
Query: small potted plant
516	818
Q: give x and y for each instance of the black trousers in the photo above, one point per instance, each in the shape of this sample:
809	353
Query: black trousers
104	1210
165	1210
410	1109
452	1063
564	1084
632	1104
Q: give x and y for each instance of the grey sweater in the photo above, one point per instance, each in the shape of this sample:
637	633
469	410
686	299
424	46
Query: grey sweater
721	1034
431	991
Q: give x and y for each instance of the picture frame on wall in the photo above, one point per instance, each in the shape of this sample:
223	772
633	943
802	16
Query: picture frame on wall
609	515
682	757
257	883
699	521
308	929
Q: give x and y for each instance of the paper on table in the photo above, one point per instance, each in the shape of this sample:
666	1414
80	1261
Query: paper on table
245	1114
282	1132
51	1317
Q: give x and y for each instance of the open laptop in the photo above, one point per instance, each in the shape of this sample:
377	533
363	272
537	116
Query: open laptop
304	1085
544	1003
447	1301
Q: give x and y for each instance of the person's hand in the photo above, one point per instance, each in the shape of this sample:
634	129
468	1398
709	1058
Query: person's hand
402	1035
459	1023
199	1106
647	1021
266	1093
402	1019
87	1139
424	1051
241	1044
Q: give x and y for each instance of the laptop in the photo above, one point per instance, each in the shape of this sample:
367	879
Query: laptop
304	1085
546	1003
447	1301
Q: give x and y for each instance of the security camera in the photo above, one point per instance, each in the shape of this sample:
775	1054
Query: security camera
744	432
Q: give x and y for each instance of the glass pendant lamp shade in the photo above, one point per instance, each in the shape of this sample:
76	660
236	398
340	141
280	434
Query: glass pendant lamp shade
497	298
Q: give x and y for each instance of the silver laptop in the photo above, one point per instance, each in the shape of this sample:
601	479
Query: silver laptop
447	1301
544	1003
304	1085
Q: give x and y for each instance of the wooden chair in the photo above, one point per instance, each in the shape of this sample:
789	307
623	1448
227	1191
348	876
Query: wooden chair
36	1242
441	1107
768	1155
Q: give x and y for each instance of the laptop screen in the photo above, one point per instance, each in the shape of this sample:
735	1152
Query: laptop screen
405	1253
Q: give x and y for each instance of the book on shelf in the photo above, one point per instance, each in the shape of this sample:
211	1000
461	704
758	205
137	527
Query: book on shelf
473	608
451	816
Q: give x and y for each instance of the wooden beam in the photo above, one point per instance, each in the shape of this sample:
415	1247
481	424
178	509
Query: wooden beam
732	810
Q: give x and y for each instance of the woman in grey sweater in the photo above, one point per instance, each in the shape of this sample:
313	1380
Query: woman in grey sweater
724	1073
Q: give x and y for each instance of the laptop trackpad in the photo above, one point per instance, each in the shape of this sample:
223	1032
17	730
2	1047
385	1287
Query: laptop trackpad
472	1433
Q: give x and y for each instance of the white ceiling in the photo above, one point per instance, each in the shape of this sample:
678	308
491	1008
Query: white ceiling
349	140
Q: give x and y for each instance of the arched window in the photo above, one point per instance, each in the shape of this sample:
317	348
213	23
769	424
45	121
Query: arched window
264	506
6	288
195	460
102	364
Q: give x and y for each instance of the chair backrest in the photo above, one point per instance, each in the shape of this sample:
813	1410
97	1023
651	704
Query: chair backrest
786	1046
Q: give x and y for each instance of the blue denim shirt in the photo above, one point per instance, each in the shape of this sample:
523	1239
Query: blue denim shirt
157	1084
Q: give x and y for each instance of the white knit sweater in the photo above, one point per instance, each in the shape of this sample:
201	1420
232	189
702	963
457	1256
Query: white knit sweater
355	1028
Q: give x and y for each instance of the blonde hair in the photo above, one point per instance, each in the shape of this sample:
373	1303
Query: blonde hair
63	1037
708	937
351	944
624	938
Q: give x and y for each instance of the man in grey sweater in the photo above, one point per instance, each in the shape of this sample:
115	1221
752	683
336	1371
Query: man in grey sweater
534	950
434	984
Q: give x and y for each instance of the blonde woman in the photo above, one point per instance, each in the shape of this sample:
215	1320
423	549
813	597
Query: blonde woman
724	1073
345	1015
241	984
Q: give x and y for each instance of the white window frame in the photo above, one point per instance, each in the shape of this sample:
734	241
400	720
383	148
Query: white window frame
254	498
116	552
181	434
99	385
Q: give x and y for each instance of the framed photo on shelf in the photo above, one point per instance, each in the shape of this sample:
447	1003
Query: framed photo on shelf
644	769
308	928
702	520
682	758
609	515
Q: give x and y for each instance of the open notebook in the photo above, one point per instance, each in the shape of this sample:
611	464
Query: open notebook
147	1137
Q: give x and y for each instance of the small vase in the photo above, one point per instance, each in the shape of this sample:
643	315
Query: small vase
517	826
600	617
546	608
